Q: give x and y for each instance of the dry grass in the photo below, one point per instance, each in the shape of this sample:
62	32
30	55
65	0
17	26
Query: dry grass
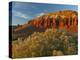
52	42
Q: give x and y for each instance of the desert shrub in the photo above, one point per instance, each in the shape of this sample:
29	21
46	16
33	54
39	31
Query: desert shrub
57	53
52	42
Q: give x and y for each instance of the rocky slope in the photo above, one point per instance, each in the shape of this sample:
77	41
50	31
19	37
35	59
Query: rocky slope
66	19
62	20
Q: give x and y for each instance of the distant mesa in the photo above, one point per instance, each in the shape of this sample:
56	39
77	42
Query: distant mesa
66	19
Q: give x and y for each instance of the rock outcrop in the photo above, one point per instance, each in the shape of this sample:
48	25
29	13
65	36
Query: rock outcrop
66	19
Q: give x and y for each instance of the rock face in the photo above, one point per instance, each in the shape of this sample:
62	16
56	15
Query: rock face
66	19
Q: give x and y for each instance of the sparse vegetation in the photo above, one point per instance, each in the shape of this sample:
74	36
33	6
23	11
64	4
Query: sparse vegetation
52	42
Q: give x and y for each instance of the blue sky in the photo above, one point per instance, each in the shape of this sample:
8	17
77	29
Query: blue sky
25	11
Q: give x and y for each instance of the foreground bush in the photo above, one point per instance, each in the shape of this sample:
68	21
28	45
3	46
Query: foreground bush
52	42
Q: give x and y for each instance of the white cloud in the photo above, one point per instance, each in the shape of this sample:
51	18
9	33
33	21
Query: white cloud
19	14
22	15
26	16
38	15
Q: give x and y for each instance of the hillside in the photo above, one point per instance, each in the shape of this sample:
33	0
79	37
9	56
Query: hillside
63	20
60	19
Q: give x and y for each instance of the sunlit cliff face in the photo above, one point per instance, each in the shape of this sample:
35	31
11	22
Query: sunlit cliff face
63	21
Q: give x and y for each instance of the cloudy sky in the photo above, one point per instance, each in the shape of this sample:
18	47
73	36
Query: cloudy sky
25	11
